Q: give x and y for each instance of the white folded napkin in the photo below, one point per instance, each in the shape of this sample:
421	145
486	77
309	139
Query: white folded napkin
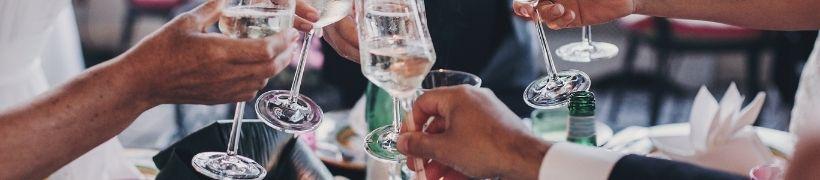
721	135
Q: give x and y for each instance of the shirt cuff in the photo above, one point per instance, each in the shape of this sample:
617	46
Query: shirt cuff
571	161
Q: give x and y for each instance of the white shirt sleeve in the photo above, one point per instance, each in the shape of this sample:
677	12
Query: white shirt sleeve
571	161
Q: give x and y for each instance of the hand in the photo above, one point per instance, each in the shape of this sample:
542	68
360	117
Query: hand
181	63
342	35
473	133
344	38
306	15
576	13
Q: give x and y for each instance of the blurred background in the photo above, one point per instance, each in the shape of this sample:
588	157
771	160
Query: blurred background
661	64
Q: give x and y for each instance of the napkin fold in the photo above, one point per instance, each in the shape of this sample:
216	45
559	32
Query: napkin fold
721	135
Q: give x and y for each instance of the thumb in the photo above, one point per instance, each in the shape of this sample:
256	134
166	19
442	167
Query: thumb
421	145
207	13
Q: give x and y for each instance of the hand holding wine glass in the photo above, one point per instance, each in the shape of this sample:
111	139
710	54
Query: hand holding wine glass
560	14
182	63
245	20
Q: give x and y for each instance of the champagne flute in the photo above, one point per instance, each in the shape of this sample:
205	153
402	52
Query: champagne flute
289	111
553	90
244	19
587	50
396	54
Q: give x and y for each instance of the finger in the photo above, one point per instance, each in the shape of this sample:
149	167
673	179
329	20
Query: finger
247	50
431	104
436	170
207	14
302	24
551	12
523	10
420	145
306	11
345	48
562	20
435	126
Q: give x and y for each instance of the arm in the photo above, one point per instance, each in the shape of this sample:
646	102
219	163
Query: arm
179	63
759	14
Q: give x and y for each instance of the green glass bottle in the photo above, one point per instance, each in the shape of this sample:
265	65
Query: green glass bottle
378	107
581	126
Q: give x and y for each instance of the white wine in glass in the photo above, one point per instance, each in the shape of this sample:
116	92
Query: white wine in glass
243	19
396	56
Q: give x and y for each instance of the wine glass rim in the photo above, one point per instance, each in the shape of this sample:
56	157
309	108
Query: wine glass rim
477	79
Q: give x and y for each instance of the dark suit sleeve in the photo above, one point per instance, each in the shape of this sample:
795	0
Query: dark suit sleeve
635	167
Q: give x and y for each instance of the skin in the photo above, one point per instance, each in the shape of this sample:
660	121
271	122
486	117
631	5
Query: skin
341	35
473	135
180	63
757	14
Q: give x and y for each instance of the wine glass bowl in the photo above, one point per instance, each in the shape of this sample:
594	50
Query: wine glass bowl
553	92
443	78
300	116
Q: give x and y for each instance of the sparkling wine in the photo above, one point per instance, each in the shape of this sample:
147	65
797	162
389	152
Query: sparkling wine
254	21
399	69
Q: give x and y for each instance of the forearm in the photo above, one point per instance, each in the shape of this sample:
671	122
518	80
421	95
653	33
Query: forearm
759	14
68	121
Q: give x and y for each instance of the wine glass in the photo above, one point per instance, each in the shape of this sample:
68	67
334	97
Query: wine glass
244	19
553	90
586	50
290	111
396	56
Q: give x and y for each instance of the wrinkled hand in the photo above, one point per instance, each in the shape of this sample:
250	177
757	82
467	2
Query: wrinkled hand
181	63
576	13
473	134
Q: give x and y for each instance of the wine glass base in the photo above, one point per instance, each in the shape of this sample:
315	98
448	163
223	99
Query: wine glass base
548	93
381	144
277	110
218	165
582	52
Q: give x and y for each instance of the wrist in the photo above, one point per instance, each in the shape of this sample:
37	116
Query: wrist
125	76
527	155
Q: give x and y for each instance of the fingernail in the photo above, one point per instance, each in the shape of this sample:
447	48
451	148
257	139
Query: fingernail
313	17
557	10
306	26
523	11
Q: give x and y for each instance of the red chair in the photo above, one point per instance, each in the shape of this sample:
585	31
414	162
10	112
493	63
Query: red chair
666	36
137	8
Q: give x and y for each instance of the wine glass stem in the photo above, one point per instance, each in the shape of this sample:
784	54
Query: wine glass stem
236	129
300	68
586	35
396	114
545	47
